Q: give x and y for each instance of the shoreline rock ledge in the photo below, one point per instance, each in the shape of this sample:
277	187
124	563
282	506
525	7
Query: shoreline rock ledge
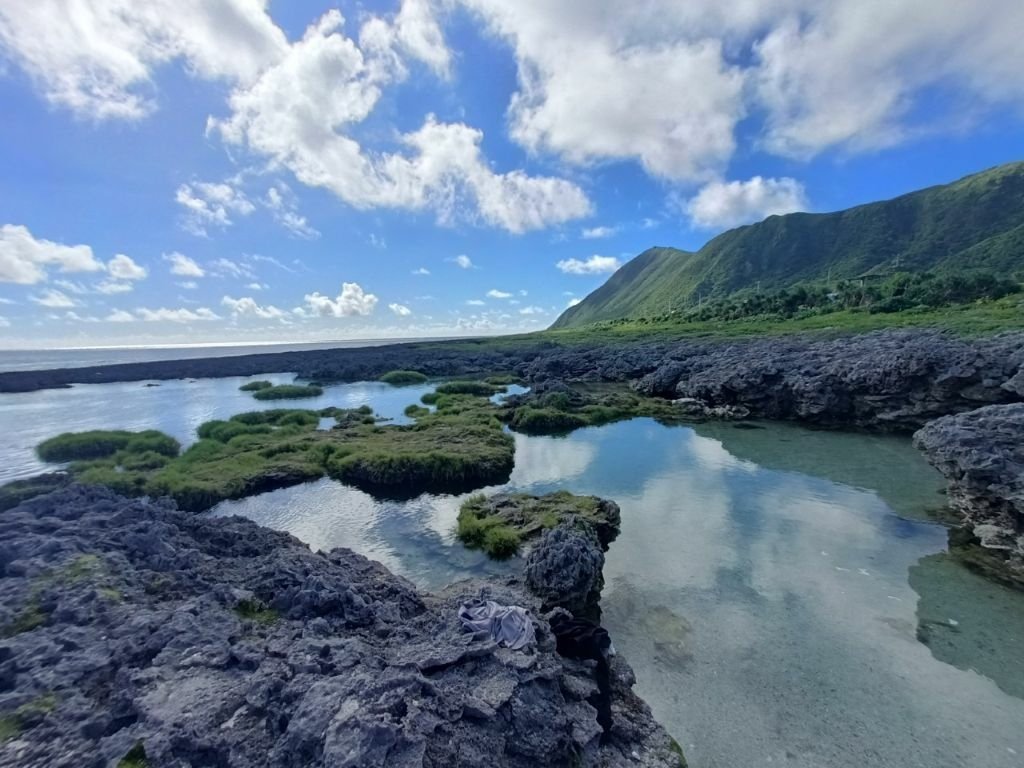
134	634
981	455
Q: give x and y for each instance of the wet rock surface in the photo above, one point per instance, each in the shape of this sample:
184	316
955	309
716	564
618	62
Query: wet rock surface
131	628
981	455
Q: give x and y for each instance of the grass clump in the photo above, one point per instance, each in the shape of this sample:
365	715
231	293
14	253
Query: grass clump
499	525
538	421
476	388
416	411
460	447
257	612
288	392
30	617
99	444
12	494
26	716
135	757
503	380
256	386
404	378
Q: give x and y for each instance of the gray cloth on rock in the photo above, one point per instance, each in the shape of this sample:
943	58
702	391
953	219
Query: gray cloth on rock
508	625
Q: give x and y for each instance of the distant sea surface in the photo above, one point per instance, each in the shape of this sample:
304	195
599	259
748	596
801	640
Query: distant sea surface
45	359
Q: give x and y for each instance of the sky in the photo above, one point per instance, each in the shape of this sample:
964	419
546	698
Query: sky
203	171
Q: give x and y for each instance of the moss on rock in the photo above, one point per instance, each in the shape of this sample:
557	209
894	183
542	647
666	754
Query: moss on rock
288	392
403	378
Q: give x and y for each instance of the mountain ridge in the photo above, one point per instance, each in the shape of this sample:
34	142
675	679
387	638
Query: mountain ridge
976	222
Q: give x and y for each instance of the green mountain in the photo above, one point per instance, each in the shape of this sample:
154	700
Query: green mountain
974	223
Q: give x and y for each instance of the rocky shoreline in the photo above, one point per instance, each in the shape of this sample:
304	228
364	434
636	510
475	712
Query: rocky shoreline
137	634
893	380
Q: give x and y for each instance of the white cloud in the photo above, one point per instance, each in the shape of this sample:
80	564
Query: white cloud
123	267
400	309
98	58
227	268
24	259
463	261
496	294
207	203
281	202
258	287
421	271
248	306
297	113
183	266
182	315
598	233
352	300
849	74
573	302
119	316
189	285
615	81
476	302
4	322
723	204
54	299
595	265
532	311
113	286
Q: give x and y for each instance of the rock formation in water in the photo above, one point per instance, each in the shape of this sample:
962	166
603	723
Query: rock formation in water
981	455
135	632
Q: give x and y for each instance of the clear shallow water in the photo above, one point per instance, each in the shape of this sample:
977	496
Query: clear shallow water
763	586
176	407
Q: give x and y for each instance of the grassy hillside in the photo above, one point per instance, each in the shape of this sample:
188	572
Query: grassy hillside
974	223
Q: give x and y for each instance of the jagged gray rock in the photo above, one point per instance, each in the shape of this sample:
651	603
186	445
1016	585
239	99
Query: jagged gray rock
565	568
887	380
215	642
981	455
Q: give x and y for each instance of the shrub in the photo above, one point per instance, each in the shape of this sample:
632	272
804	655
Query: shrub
532	420
501	542
403	378
256	386
416	411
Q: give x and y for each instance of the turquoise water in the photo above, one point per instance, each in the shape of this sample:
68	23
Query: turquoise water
769	586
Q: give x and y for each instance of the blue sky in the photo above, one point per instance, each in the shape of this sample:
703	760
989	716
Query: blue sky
232	170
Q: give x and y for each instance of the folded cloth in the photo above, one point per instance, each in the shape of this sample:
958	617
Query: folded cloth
508	625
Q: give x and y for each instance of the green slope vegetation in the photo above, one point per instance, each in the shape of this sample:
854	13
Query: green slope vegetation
974	223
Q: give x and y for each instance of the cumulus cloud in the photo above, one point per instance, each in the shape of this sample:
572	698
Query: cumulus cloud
299	113
496	294
421	271
665	83
595	265
476	302
573	302
532	311
249	306
25	259
352	301
182	315
183	266
723	204
462	261
400	309
207	203
98	58
598	233
123	267
119	316
54	299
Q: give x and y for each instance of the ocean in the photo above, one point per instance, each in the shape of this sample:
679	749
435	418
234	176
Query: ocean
45	359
